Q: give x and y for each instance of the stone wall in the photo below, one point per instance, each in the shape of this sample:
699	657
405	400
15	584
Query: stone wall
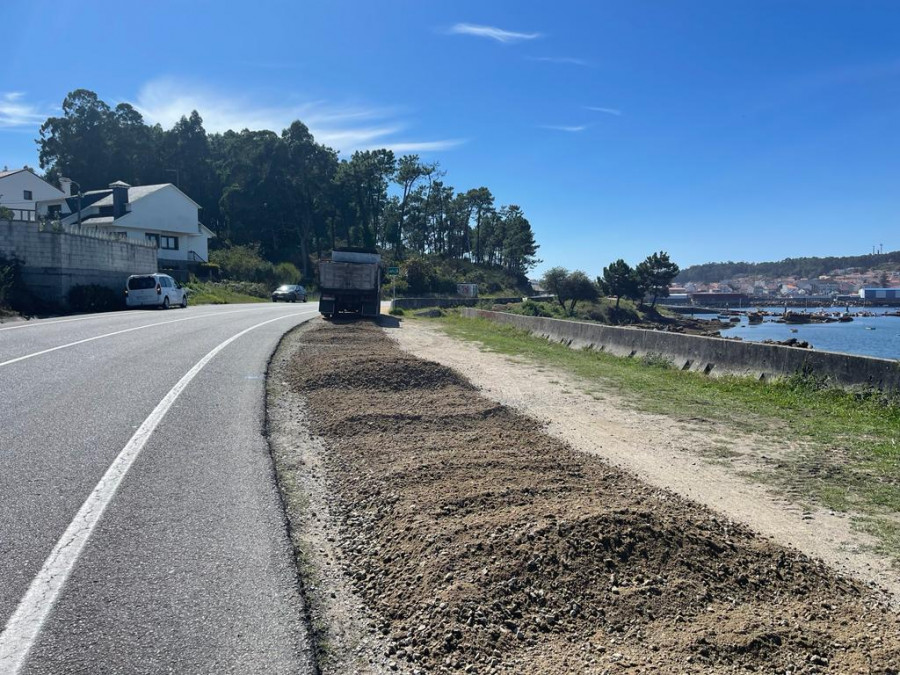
707	354
56	260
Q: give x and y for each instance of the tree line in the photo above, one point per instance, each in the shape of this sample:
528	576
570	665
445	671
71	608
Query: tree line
804	268
650	277
294	197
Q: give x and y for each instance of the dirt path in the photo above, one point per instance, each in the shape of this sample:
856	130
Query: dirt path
656	449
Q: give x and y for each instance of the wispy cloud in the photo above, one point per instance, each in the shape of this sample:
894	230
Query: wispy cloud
562	127
608	111
15	112
567	60
345	128
423	146
492	33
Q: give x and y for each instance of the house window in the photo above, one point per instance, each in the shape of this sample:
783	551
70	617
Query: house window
28	195
152	238
169	243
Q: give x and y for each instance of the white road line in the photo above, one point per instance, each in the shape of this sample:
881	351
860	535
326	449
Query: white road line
48	322
37	323
24	626
118	332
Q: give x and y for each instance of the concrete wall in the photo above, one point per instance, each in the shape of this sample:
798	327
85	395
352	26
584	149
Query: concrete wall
709	355
56	261
419	303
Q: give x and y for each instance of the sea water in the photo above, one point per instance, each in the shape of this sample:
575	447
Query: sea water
869	336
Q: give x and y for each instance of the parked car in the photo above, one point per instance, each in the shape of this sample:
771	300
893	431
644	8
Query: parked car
289	293
154	290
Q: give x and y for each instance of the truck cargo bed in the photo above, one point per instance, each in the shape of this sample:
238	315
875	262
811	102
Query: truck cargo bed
347	276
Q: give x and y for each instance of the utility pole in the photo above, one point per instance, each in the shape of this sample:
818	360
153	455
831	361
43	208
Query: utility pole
78	185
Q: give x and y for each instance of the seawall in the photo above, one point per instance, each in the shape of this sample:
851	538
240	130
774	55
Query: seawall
708	354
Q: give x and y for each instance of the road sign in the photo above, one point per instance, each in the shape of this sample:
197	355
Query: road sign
393	271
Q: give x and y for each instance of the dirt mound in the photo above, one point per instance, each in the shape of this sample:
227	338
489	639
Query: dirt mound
484	545
377	372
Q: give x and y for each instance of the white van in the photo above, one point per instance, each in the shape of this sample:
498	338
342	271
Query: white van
154	290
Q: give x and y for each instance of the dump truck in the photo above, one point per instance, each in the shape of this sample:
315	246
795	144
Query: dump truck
350	282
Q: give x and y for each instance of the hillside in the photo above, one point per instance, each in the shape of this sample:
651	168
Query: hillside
789	267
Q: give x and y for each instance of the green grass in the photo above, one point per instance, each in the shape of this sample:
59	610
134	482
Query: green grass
211	293
835	448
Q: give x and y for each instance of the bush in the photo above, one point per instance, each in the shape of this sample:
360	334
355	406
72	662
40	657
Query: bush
398	285
287	273
420	275
221	293
244	263
11	285
248	288
93	298
531	308
396	311
14	295
208	271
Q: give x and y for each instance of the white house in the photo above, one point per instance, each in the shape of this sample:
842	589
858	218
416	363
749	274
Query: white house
21	190
161	213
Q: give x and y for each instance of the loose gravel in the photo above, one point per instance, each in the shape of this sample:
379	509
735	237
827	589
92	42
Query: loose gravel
478	543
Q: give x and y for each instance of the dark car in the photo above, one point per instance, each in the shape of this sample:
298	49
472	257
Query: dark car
289	293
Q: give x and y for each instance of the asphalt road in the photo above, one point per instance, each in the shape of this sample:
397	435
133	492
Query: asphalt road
141	530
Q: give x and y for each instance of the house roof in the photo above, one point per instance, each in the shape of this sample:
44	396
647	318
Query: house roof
134	193
11	172
98	220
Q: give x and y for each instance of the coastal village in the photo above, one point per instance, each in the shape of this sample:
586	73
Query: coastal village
839	282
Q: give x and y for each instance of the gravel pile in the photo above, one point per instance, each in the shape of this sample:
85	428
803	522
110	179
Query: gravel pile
483	545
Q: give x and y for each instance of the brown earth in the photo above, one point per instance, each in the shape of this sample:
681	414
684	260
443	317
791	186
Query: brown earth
476	542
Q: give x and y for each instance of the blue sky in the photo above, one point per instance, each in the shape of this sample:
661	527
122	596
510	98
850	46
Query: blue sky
738	130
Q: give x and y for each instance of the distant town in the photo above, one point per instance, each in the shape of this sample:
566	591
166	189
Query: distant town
878	282
840	282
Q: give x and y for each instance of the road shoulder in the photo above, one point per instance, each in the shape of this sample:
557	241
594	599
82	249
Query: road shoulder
337	617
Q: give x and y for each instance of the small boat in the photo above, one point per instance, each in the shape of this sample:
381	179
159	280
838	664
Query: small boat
793	330
845	317
755	317
871	327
